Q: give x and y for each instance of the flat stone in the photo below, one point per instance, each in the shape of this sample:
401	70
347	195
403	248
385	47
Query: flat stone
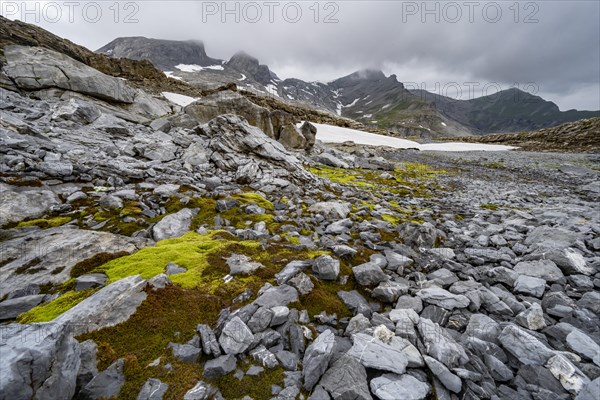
240	264
236	337
373	353
174	225
326	268
106	384
443	298
219	366
369	274
153	389
448	379
12	308
395	387
530	286
543	269
90	281
346	379
277	296
316	359
526	348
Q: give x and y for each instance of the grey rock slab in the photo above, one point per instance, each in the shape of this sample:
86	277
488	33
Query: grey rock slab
390	291
443	298
186	353
525	347
236	337
355	302
373	353
331	209
174	225
302	283
240	264
589	391
570	377
220	366
11	308
106	384
287	360
290	270
90	281
153	389
544	269
530	285
583	345
201	391
18	204
36	68
440	345
369	274
395	387
49	267
482	327
346	379
277	296
38	361
497	369
109	306
448	379
326	268
264	357
316	358
532	318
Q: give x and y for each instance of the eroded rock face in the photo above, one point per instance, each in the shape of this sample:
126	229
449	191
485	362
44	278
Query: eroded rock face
35	68
237	146
108	307
43	257
38	361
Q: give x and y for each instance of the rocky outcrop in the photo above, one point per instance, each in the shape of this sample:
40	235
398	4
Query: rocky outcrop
164	54
38	361
249	153
36	68
249	65
108	307
37	258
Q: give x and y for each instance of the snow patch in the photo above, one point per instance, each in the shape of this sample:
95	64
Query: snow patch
272	89
179	99
170	75
243	78
336	134
197	68
386	106
353	103
443	123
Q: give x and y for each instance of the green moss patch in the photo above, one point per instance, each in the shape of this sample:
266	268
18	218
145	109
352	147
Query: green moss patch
45	223
49	311
490	206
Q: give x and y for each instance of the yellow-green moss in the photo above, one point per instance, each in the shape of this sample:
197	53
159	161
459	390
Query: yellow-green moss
49	311
254	198
45	222
490	206
190	251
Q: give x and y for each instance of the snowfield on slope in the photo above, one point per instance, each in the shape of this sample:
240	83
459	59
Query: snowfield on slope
179	99
336	134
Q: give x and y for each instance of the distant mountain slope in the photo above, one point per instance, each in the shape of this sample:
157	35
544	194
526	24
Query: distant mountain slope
367	96
580	137
511	110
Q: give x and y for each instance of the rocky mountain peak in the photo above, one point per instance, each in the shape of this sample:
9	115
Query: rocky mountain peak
249	65
164	54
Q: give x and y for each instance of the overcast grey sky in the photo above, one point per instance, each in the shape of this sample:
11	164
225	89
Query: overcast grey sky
548	47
